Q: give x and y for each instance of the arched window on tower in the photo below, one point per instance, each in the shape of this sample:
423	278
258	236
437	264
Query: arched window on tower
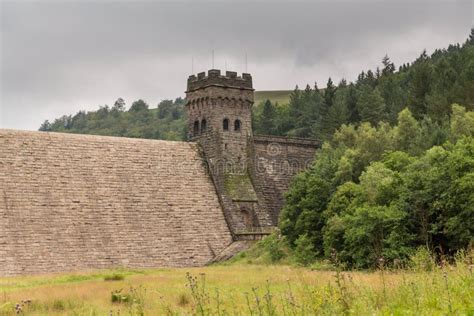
203	125
225	124
237	125
196	128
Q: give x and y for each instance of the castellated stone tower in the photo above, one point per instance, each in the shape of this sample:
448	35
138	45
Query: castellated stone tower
219	109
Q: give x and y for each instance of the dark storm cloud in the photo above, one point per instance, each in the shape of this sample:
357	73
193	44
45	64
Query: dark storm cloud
60	57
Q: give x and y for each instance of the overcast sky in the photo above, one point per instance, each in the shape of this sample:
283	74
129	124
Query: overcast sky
59	57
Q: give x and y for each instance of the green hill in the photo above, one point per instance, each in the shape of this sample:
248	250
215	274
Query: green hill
280	96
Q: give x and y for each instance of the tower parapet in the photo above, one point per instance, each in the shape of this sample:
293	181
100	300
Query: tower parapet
214	78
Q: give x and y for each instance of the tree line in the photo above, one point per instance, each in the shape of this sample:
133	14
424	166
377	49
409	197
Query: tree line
166	122
428	87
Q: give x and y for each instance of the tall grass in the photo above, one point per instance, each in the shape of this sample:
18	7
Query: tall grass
253	290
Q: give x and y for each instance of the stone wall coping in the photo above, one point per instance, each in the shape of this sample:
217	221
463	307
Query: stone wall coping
89	137
295	141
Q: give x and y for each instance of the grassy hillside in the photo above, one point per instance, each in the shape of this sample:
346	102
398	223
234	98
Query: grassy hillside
280	96
258	290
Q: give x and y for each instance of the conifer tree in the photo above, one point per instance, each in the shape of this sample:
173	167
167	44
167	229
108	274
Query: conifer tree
388	66
337	113
267	118
470	40
342	84
370	105
370	79
420	86
329	93
351	99
295	105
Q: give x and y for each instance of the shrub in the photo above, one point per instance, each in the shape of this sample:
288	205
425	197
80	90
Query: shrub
114	277
304	251
118	297
273	245
422	260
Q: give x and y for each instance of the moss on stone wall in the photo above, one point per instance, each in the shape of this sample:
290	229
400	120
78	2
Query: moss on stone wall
239	187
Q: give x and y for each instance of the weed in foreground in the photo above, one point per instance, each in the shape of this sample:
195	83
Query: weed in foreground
134	299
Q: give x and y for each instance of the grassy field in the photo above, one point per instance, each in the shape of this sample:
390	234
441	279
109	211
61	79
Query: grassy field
242	289
280	96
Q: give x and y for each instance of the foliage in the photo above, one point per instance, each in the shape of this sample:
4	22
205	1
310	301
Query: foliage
165	122
381	191
266	123
422	260
270	250
370	105
274	246
304	252
134	299
114	277
427	86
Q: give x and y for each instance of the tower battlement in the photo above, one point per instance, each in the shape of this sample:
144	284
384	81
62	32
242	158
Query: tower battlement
214	78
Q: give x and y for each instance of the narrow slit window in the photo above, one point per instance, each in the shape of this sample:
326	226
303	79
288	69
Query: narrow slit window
196	128
203	125
225	124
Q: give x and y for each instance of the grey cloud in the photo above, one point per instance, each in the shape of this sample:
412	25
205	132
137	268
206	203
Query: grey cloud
60	57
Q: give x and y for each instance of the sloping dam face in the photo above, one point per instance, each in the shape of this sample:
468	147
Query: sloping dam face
75	202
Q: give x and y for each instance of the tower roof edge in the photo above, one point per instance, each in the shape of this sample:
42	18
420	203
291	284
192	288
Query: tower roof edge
215	78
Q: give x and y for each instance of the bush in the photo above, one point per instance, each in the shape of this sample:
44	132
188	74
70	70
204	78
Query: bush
273	245
422	260
118	297
114	277
271	249
304	251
